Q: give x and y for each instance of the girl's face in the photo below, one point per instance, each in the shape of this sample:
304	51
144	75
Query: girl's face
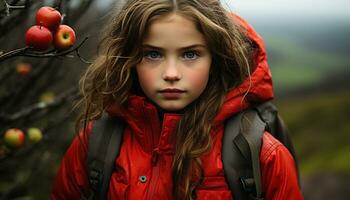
175	67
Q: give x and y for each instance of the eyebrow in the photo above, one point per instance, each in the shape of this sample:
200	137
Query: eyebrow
183	48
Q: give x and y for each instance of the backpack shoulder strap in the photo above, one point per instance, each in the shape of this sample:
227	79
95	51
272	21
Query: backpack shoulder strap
104	145
240	154
268	112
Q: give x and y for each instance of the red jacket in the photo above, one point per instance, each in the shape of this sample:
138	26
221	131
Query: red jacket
147	150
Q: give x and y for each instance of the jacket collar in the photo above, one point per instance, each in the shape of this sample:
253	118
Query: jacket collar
150	131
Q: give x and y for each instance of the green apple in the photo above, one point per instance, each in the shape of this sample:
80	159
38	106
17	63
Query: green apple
34	135
47	97
14	138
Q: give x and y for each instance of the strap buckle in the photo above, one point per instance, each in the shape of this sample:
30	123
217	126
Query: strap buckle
95	179
248	184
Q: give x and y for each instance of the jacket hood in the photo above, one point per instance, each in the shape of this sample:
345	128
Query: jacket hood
256	88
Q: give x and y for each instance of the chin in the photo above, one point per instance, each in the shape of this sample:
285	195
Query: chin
172	107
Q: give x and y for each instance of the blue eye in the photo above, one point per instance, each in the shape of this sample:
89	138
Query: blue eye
190	55
153	55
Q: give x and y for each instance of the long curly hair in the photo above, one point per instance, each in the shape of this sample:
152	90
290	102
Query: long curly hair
112	78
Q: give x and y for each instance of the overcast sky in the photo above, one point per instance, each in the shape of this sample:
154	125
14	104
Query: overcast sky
291	8
283	9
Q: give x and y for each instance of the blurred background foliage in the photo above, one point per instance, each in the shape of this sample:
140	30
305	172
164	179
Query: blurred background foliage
308	44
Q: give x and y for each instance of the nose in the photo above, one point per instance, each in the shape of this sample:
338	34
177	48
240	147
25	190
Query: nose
171	70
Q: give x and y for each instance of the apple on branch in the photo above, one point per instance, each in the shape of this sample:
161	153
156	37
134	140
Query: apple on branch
64	37
14	138
48	17
39	37
34	135
23	68
47	97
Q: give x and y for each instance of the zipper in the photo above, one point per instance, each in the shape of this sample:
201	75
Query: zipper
154	160
155	132
144	114
155	175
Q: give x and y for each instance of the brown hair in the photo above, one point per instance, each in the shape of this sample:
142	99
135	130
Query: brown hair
111	78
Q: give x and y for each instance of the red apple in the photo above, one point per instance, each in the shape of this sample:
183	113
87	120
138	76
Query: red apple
39	37
23	68
64	37
48	17
14	138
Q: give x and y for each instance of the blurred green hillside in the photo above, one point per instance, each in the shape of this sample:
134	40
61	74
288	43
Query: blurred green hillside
295	65
320	127
305	55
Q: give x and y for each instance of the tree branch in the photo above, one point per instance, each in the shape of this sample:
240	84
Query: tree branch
72	93
26	52
9	7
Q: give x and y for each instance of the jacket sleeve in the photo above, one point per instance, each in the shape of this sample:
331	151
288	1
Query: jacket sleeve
279	174
71	181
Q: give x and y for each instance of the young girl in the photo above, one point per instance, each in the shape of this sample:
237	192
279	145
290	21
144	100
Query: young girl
174	71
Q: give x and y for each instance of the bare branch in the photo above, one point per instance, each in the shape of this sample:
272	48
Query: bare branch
71	93
9	7
10	54
26	52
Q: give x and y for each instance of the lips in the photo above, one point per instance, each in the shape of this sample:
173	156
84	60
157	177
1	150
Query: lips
171	93
171	90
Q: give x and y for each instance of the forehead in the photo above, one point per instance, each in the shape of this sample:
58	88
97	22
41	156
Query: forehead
173	29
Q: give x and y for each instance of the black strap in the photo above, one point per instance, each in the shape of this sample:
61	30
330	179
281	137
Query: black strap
240	154
232	158
268	112
252	130
104	144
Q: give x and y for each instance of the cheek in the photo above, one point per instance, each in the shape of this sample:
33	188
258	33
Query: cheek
146	77
200	77
200	81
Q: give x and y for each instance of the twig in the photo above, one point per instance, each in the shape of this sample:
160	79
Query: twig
13	53
9	7
81	58
39	106
25	52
